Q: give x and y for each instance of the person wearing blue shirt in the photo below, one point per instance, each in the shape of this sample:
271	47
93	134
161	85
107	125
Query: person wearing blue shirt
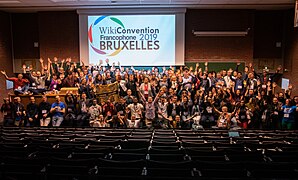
58	110
288	120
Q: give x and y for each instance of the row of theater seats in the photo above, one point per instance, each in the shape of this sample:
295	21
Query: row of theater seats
87	153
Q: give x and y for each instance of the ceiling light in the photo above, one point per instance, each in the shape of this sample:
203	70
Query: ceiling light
220	33
9	2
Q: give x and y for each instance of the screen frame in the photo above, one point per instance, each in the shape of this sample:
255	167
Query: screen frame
179	27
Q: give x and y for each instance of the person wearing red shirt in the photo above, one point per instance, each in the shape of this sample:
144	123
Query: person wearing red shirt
20	85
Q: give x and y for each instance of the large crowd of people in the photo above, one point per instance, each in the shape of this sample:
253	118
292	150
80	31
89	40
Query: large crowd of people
155	98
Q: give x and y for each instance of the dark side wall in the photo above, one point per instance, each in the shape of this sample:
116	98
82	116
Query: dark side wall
219	48
5	52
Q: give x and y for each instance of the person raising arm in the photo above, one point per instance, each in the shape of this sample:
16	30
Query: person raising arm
20	85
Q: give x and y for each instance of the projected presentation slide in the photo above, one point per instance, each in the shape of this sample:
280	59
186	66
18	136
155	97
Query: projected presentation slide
137	40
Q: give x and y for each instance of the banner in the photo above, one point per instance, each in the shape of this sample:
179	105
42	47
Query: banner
110	91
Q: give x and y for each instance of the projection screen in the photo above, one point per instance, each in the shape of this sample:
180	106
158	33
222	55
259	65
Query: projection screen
138	37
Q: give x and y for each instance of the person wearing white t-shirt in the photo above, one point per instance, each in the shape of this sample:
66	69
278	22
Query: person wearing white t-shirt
133	122
136	108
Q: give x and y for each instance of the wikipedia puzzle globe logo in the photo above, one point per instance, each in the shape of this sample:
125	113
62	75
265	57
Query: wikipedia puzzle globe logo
90	35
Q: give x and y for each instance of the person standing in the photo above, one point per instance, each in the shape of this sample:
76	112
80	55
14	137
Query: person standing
83	115
95	111
243	115
135	109
288	120
7	112
150	108
146	88
58	111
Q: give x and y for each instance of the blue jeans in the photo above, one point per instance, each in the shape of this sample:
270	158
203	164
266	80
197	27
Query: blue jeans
56	121
207	121
23	90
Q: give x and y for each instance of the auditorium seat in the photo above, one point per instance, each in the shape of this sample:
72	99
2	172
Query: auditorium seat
167	157
60	172
154	150
197	151
164	138
20	171
169	173
216	139
164	144
90	162
87	155
117	172
95	153
139	136
128	163
247	156
221	165
136	150
190	138
197	144
135	144
126	156
224	173
288	156
228	146
274	174
93	149
105	142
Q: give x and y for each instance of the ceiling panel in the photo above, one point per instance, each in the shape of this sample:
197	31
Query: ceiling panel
43	5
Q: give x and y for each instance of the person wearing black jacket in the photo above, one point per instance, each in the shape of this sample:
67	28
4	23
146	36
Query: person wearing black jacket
71	111
32	113
7	111
207	113
121	106
131	84
174	108
44	108
276	114
265	112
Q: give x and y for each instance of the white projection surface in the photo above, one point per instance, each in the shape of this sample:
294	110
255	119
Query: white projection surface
132	39
141	38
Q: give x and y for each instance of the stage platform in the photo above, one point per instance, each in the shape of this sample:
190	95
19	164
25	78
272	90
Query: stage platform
91	153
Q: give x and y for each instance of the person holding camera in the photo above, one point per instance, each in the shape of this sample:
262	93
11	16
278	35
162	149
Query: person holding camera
58	111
